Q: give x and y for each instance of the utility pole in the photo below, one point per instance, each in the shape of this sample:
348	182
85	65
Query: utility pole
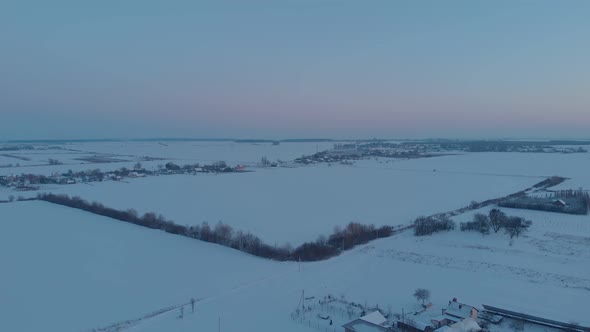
219	324
303	299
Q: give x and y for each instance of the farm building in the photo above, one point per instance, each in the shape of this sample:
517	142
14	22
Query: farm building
373	322
456	317
543	321
460	310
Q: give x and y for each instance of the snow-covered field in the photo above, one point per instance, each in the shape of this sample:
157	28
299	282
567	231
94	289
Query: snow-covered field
126	154
73	271
298	204
68	270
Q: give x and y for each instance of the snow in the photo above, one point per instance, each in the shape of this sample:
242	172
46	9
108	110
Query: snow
375	318
131	152
466	325
296	205
82	271
68	270
459	310
360	326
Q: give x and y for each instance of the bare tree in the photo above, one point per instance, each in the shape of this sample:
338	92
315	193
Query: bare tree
516	226
264	161
422	294
482	222
223	233
497	219
11	198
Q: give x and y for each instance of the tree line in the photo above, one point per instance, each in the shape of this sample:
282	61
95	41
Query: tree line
323	248
429	225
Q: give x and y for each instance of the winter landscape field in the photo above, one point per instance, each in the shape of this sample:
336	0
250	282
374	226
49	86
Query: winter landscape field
295	166
113	276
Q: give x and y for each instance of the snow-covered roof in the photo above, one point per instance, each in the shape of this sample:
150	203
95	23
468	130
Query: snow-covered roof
360	325
443	317
420	325
375	317
466	325
459	309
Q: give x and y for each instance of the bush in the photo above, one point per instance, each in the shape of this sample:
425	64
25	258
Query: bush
432	224
480	223
497	219
354	234
314	252
516	225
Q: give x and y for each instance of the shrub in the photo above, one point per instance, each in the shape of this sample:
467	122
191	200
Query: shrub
480	223
516	225
314	252
432	224
497	219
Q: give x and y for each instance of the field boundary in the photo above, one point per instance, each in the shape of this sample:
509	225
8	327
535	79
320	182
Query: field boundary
353	235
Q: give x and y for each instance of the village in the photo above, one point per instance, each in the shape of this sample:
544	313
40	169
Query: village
349	151
331	314
31	182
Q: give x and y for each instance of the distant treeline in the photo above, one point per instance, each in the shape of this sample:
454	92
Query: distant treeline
163	139
290	140
503	142
550	182
503	146
323	248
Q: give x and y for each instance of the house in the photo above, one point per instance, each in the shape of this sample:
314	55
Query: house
466	325
426	320
359	325
442	320
373	322
453	318
375	318
559	202
460	310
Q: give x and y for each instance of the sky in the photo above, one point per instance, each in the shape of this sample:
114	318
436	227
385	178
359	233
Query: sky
294	69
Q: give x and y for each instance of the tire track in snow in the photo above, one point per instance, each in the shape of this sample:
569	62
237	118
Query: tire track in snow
527	274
